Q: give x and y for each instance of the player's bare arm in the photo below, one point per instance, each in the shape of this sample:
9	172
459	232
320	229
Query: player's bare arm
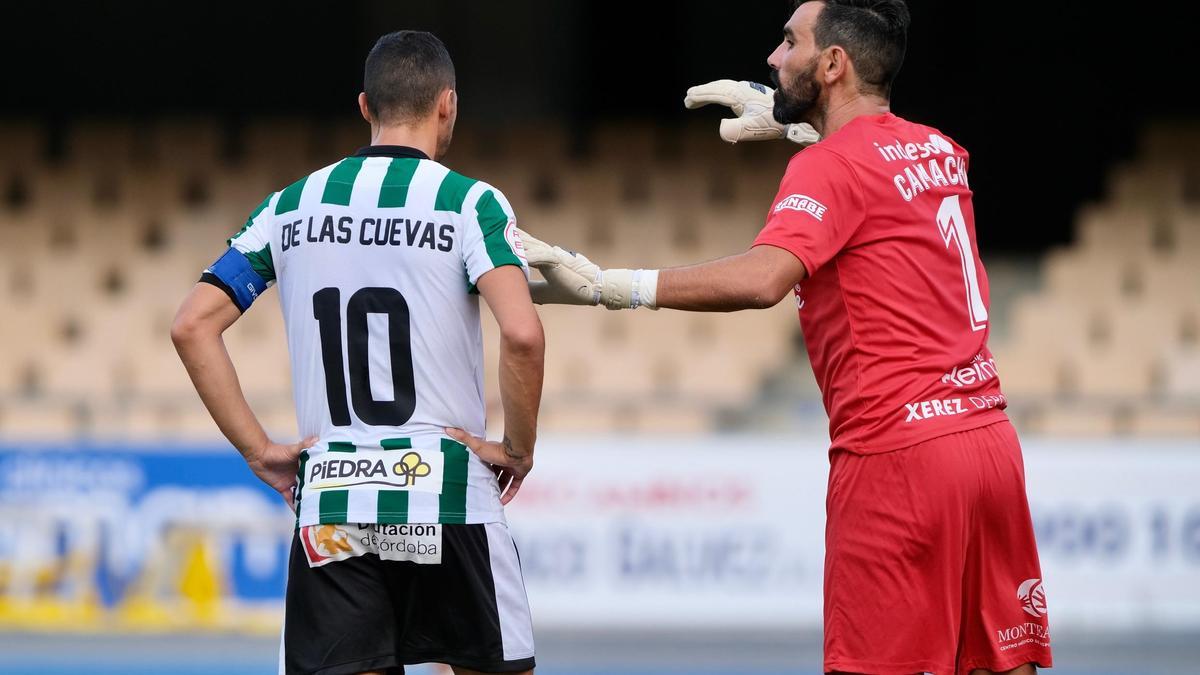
202	319
756	279
522	349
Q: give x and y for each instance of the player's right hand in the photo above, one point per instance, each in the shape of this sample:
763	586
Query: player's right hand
511	467
277	465
753	103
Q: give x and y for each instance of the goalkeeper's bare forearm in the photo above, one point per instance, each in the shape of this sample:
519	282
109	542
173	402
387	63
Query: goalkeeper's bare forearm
756	279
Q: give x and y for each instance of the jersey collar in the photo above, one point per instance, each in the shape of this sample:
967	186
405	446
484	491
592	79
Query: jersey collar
390	151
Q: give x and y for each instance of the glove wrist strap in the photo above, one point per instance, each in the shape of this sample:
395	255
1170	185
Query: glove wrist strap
645	289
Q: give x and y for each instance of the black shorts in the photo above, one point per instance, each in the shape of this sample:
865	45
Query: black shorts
364	613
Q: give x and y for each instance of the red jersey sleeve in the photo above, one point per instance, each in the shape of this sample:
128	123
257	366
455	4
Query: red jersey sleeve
818	208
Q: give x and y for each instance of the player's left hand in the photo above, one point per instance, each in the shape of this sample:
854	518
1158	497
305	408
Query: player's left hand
754	105
572	279
510	467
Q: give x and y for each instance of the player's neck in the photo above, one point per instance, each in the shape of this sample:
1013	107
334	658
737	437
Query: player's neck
840	112
423	137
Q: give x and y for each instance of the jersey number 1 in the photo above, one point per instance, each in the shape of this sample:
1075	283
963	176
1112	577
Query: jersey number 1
327	310
953	227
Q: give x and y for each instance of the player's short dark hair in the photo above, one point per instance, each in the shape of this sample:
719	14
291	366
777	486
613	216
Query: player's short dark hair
873	32
405	72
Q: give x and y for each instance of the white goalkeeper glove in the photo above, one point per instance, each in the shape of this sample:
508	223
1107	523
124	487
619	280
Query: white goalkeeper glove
753	104
572	279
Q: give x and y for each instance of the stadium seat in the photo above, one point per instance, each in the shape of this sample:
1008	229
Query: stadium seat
1090	276
1112	373
1055	326
1167	421
1070	420
1027	372
192	142
1181	374
102	247
23	142
38	420
1122	230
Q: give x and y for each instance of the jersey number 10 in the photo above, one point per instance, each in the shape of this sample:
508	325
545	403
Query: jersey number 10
953	227
327	310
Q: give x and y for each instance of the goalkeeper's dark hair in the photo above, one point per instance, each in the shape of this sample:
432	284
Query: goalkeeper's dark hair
405	72
873	32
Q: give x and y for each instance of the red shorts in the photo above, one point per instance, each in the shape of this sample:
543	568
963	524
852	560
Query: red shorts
930	563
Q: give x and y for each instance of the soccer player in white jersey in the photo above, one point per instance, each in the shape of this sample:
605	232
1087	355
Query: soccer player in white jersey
401	553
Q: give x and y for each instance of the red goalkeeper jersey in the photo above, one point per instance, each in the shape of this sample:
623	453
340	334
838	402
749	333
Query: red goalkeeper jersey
895	305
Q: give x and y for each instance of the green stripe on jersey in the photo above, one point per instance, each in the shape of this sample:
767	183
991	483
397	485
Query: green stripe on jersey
396	444
452	504
289	199
262	263
250	221
340	184
333	505
453	192
391	506
394	191
493	221
341	446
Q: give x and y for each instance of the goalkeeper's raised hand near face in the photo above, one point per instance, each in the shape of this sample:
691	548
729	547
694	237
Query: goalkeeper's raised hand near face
873	227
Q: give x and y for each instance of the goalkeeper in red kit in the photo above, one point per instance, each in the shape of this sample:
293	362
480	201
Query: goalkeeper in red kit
931	564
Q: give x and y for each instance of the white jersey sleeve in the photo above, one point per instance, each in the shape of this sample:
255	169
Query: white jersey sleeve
254	239
490	239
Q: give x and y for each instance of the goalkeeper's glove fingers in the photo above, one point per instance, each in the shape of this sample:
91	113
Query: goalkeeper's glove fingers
754	105
572	279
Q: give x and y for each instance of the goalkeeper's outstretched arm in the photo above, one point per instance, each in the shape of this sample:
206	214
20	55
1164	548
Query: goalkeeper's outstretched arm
756	279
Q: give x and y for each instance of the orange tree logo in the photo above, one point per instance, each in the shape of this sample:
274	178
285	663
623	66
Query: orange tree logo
410	468
332	540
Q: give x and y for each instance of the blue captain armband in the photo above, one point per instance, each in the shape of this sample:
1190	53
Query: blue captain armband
233	274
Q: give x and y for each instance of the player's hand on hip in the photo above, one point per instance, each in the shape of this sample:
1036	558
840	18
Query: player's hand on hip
572	279
276	465
510	465
754	105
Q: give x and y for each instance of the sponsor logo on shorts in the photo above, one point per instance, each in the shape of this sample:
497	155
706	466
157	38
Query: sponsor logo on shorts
804	204
1032	597
324	543
414	542
380	469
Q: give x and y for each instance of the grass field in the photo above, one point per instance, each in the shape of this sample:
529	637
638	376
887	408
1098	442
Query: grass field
562	654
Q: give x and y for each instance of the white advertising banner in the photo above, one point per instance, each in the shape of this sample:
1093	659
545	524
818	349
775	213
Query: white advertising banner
729	531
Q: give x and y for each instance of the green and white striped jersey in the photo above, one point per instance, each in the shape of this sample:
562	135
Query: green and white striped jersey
376	259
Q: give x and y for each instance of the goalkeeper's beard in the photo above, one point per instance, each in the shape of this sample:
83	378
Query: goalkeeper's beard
797	102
